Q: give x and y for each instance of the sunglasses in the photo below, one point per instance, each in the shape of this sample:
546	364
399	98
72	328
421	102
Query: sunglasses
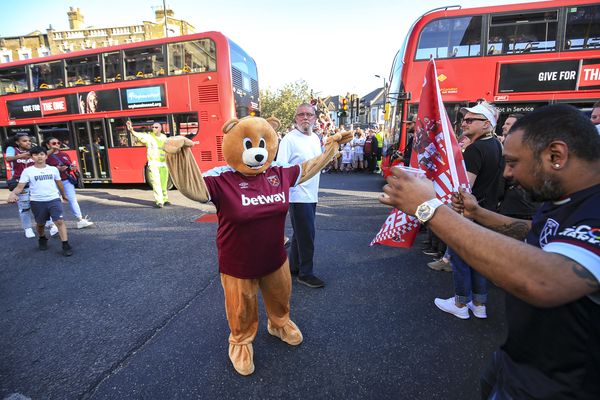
53	143
469	121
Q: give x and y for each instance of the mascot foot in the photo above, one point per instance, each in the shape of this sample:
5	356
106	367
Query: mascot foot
289	333
241	356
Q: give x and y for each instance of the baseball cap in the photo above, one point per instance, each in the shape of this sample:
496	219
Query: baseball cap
483	109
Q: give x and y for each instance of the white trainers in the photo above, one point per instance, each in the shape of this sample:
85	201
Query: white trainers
53	230
478	311
84	223
449	306
29	233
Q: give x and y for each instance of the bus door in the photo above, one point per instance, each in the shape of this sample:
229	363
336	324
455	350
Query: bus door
91	149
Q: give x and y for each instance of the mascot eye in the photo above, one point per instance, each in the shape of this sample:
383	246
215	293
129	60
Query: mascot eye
262	144
247	143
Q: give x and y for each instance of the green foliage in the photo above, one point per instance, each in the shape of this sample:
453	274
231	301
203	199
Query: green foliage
282	103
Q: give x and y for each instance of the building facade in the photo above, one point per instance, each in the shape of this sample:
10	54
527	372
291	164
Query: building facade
78	37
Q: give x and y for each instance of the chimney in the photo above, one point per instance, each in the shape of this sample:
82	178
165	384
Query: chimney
75	18
159	14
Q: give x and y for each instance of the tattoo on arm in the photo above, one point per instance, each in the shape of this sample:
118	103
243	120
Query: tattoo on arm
517	230
587	276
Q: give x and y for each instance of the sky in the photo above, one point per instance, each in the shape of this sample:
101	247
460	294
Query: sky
336	46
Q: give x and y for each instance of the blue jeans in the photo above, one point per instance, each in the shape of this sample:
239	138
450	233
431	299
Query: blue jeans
302	246
468	283
72	197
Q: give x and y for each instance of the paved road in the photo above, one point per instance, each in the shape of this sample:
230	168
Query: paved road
137	312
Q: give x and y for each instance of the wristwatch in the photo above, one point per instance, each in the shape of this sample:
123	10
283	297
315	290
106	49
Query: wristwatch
425	211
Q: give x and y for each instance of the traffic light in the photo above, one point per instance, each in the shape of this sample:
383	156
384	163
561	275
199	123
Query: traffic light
345	104
386	111
362	107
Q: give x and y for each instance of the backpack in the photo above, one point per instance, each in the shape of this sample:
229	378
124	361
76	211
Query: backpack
368	149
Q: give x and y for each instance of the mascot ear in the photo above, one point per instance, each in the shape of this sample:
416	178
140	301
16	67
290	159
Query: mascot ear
274	122
230	124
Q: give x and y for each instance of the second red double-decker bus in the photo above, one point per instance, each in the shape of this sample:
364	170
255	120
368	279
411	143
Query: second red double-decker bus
517	56
189	84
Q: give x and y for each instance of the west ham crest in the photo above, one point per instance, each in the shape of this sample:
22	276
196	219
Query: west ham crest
273	180
548	231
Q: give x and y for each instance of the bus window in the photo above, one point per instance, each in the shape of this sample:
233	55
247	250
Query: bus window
112	66
186	125
49	75
13	80
83	71
121	137
192	56
59	131
583	28
523	33
450	37
147	62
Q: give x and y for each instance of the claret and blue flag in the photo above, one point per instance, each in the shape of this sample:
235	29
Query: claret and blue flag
435	151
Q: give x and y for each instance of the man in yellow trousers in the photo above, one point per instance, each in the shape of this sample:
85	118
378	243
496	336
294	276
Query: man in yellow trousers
157	166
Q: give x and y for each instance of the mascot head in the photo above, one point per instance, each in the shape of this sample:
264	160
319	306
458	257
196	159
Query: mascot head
250	144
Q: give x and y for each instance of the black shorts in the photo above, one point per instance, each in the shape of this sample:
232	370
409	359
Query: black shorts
43	210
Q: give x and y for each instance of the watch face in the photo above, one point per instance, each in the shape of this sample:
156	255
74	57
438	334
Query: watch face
424	212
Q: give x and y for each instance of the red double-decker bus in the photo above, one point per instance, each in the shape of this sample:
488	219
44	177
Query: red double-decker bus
518	56
189	84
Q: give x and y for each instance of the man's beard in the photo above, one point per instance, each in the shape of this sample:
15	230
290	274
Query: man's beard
546	187
305	127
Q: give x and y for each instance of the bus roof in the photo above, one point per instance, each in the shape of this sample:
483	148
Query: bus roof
218	36
453	10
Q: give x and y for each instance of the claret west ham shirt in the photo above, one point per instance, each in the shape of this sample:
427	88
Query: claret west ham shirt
251	211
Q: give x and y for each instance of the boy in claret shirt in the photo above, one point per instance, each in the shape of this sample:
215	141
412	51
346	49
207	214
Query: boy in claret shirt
45	189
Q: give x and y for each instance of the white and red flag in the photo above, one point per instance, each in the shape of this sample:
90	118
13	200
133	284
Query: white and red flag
435	151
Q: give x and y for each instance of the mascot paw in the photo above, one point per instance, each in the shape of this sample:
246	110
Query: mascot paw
242	358
290	333
341	138
173	144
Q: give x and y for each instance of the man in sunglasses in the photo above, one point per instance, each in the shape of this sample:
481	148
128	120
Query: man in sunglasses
484	169
157	165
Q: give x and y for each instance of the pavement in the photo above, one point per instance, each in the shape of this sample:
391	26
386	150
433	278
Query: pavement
137	312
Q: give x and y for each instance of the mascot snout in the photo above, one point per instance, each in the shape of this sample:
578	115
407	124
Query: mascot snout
255	157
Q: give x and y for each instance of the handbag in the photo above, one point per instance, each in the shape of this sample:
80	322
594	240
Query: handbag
72	176
75	178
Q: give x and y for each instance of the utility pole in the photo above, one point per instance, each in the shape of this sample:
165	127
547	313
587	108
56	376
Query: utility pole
165	14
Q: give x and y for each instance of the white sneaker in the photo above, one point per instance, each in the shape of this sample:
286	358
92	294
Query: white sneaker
449	306
29	233
478	311
53	230
84	223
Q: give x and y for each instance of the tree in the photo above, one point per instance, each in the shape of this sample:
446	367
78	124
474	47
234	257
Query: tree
282	103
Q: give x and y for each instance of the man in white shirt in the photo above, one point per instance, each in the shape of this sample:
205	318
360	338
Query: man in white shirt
44	186
299	145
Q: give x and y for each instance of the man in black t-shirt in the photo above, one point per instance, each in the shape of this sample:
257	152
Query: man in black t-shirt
552	280
482	160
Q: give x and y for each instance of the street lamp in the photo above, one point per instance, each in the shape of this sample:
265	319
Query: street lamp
384	83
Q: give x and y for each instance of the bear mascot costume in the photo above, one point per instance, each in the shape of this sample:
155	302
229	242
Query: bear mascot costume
251	195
